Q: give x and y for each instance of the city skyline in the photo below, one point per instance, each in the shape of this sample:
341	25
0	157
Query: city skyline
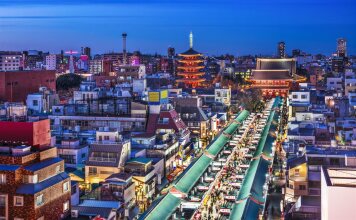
152	26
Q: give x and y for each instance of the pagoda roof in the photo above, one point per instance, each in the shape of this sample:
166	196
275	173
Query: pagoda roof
189	52
271	75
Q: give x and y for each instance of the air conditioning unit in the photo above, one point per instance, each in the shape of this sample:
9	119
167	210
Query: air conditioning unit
74	214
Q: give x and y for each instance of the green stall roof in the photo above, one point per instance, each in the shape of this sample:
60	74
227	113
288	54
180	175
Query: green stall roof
189	178
164	208
253	182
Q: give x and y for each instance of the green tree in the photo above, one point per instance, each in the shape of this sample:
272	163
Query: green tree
68	81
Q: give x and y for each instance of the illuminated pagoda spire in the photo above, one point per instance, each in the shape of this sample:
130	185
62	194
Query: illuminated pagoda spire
191	67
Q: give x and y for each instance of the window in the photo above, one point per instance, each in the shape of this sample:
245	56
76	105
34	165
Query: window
65	187
39	200
304	96
93	171
58	168
302	187
295	96
2	200
31	178
35	102
18	201
296	172
2	178
66	206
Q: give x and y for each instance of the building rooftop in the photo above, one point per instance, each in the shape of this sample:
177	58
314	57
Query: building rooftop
271	75
314	150
191	51
45	163
100	204
342	177
38	187
142	160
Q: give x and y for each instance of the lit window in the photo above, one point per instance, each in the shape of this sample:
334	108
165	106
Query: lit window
2	178
18	201
65	186
58	168
66	206
30	178
39	200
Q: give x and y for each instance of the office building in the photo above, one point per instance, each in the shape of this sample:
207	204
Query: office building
11	61
281	50
341	47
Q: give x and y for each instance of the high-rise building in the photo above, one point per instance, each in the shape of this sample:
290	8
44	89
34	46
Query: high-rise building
281	50
33	184
341	47
86	51
171	52
51	62
190	69
11	61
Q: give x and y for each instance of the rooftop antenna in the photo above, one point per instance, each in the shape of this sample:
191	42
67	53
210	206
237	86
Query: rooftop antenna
191	39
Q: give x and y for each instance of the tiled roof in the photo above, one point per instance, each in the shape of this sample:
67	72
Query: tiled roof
42	164
270	74
174	122
38	187
191	51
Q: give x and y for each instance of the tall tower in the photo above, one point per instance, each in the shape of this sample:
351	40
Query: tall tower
124	36
341	47
71	60
281	50
190	68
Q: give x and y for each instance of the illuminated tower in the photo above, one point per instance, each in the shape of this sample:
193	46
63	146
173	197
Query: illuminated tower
124	36
341	47
190	69
71	60
281	50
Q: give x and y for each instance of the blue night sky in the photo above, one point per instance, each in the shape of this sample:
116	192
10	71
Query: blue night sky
219	26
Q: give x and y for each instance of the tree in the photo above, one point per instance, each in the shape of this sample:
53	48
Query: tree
251	99
68	81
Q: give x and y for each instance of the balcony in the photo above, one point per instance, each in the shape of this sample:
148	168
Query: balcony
102	159
108	142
